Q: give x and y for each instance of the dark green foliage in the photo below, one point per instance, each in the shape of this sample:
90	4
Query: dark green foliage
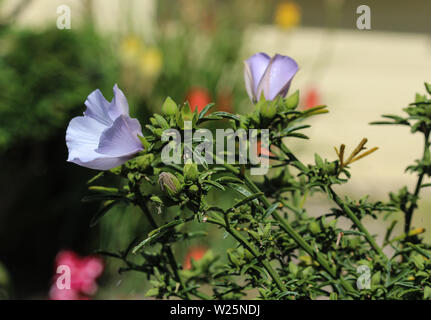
44	79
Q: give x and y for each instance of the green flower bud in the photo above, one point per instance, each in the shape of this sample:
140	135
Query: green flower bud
293	268
156	199
194	188
144	161
292	101
169	107
169	183
191	172
314	227
184	113
268	109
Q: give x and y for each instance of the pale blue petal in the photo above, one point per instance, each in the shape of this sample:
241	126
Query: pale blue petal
278	76
119	105
103	162
106	137
98	108
255	69
82	138
248	79
121	139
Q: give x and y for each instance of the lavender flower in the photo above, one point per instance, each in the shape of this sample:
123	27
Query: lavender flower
270	76
105	137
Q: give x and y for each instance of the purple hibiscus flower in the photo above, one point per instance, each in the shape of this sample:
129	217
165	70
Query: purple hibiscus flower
105	137
270	76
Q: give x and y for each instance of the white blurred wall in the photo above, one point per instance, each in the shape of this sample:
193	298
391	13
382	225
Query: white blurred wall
109	15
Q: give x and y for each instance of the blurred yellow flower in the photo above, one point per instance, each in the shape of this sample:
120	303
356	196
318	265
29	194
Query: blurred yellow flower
147	60
131	47
288	14
150	62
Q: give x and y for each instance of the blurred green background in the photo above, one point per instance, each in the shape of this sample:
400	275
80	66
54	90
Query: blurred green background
187	49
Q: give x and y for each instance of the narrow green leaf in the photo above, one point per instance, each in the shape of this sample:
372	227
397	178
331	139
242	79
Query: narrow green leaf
214	184
205	110
248	199
271	209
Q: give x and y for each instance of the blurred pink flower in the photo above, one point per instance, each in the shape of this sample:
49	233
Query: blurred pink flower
65	294
83	274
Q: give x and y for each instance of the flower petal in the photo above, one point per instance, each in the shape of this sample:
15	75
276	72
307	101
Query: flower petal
248	79
103	162
119	104
98	107
82	138
255	68
121	139
278	76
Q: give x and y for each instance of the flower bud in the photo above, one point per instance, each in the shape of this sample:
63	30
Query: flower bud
194	188
169	183
268	109
144	161
183	114
191	172
268	76
169	107
314	227
291	102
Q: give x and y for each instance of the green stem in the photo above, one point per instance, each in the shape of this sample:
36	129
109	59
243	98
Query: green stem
253	250
409	212
167	249
358	223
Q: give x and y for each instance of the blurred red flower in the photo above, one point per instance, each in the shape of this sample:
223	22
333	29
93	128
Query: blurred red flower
195	253
312	98
198	98
83	274
263	151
